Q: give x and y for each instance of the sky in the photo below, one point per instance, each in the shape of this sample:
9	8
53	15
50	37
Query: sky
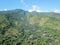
31	5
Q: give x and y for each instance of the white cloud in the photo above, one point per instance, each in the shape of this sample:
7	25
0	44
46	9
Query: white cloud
21	1
45	11
38	11
56	11
36	8
24	3
30	10
5	9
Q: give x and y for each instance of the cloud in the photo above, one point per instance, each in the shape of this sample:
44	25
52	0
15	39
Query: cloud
36	8
24	3
56	11
5	9
21	1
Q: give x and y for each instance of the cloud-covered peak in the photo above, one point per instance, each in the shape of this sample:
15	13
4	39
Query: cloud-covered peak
57	11
5	9
36	9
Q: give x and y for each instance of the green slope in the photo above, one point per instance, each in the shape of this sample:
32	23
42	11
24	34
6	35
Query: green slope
19	27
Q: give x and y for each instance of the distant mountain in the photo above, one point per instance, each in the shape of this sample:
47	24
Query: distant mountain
19	27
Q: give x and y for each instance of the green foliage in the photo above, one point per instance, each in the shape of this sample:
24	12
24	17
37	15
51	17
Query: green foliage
18	27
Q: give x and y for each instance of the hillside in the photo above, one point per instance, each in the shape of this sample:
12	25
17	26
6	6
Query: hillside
19	27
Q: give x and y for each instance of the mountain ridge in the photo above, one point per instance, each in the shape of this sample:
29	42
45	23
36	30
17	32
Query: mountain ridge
19	27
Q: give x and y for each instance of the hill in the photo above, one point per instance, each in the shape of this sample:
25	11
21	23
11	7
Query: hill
19	27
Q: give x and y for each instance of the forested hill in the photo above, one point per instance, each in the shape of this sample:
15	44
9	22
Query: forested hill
19	27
